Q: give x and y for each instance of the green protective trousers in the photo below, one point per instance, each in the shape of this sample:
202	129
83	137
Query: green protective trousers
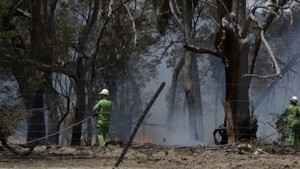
293	125
103	128
103	117
293	138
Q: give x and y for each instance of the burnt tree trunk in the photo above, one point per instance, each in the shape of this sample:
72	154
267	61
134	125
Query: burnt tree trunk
79	114
193	99
53	102
191	83
237	88
83	70
80	102
91	136
236	50
191	76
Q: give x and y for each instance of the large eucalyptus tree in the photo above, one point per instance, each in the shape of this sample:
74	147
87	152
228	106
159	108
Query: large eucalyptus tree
238	22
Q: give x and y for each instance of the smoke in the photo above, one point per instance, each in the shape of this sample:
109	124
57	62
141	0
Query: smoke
177	129
270	99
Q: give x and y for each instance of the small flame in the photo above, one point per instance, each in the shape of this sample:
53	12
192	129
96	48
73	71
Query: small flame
143	138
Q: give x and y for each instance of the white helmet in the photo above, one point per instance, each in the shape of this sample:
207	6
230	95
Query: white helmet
104	92
294	99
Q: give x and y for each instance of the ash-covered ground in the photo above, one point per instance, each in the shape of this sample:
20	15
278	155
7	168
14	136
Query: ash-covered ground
155	157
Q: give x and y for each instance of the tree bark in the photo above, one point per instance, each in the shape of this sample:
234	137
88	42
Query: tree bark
82	73
39	44
191	76
193	98
163	15
53	102
235	50
191	83
80	102
237	89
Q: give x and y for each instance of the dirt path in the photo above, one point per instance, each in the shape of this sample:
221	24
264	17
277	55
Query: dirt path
150	158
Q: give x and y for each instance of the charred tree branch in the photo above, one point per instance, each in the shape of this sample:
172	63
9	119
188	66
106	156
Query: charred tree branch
110	8
133	24
203	51
24	13
256	51
62	120
173	7
40	66
271	54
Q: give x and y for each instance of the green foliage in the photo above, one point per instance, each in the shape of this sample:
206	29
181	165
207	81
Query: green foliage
3	7
7	34
65	32
3	13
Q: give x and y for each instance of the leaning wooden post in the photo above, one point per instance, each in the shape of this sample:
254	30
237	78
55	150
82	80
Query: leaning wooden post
140	121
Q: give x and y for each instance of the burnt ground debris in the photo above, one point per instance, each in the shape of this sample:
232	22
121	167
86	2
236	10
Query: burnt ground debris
154	156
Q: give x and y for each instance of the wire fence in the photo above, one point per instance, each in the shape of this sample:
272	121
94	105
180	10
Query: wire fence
142	135
68	126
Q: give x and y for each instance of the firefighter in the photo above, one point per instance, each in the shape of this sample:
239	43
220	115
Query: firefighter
293	122
103	106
